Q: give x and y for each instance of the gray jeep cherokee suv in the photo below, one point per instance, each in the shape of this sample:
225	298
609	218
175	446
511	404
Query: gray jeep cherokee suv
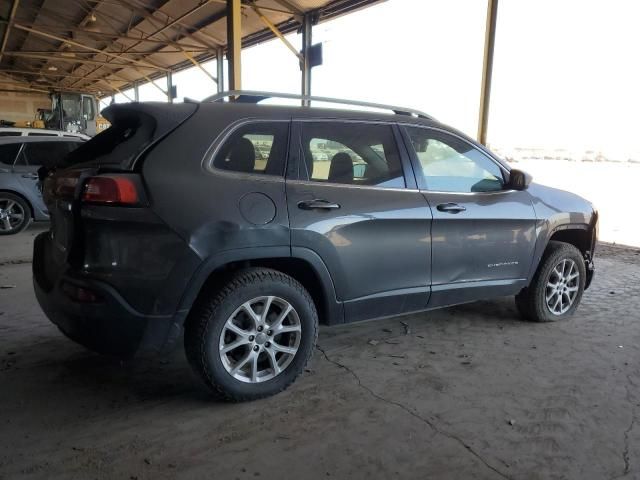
246	225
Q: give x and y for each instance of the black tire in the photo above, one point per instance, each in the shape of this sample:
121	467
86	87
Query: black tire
531	301
19	204
216	305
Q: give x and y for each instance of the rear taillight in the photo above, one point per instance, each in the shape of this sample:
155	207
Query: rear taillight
60	186
111	189
79	294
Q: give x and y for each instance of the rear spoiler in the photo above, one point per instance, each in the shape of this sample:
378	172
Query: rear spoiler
135	127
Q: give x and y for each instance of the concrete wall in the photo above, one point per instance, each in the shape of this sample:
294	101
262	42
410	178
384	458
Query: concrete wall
22	106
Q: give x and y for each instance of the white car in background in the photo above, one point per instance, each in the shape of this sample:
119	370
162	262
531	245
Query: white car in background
38	132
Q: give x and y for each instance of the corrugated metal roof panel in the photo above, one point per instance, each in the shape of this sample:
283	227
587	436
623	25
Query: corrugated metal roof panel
104	45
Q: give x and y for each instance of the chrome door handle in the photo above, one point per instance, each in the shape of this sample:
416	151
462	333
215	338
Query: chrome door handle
450	208
317	204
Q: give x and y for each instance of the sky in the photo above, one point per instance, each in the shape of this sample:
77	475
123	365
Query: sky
566	72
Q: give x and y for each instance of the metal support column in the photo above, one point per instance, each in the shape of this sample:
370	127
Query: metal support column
487	69
305	65
169	87
234	43
136	91
220	69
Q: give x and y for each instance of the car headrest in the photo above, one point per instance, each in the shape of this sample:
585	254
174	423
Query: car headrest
341	169
242	157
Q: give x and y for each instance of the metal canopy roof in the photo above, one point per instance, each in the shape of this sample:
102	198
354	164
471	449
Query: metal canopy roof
103	46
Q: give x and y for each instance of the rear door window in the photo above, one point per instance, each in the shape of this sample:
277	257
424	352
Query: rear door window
259	147
8	153
351	153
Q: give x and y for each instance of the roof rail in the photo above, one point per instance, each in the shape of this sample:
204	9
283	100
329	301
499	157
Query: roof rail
251	96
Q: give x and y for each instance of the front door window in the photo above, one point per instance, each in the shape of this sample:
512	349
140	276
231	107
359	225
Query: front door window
449	164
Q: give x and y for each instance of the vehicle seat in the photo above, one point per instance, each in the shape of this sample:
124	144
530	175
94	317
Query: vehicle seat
341	169
242	157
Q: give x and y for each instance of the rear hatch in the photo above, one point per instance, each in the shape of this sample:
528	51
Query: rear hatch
102	171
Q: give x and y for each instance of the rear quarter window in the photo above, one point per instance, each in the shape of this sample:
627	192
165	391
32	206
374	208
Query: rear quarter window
258	147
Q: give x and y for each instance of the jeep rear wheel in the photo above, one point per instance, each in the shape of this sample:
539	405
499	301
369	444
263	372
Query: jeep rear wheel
556	288
251	338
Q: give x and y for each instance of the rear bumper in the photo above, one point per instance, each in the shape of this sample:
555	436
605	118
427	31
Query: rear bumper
109	325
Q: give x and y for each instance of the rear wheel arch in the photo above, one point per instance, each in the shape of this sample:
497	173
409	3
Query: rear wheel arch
314	278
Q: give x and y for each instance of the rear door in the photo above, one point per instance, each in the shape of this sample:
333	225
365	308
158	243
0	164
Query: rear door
483	234
35	155
351	203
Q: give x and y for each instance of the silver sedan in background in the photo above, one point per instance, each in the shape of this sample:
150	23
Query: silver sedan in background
20	195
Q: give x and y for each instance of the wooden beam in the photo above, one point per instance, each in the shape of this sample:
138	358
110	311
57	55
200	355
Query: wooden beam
8	27
150	80
199	65
290	6
487	70
78	52
20	86
173	21
42	88
277	32
44	74
74	59
115	36
118	90
234	43
220	68
86	47
163	28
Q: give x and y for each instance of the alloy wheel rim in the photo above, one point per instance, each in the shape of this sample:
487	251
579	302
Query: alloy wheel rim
260	339
11	215
562	286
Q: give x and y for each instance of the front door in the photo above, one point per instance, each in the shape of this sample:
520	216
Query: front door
483	235
351	204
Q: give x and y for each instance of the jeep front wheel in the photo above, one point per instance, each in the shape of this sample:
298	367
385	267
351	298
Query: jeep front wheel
251	338
556	288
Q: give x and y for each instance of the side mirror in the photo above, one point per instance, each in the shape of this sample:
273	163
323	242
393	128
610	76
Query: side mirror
518	180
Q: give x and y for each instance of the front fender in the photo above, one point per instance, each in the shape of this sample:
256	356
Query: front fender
556	211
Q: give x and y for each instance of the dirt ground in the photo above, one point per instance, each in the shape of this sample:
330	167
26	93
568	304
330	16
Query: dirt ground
466	392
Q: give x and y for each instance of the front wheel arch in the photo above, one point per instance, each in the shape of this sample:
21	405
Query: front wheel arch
532	300
575	235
